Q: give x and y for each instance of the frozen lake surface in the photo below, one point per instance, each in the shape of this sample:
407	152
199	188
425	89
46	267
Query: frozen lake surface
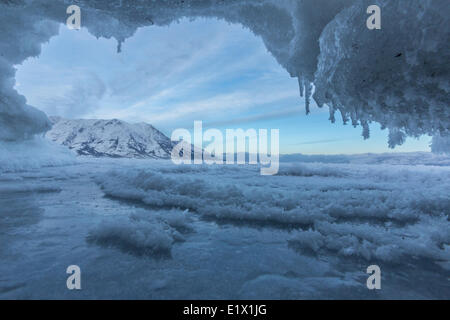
152	230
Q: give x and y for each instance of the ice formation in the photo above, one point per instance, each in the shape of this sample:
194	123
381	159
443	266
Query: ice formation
397	76
440	144
385	212
32	154
155	230
142	233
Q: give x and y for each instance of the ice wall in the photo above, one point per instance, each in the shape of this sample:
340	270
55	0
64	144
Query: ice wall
440	144
396	76
22	32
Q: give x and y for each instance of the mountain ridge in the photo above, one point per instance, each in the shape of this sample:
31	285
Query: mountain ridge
110	138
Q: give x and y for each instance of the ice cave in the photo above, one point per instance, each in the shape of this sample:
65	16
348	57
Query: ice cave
144	228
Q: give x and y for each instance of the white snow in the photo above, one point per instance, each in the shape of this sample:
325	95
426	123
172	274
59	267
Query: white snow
110	138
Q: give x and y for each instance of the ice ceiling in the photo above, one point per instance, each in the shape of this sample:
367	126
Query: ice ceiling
397	76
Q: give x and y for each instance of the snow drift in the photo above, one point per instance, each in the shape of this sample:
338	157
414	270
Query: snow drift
397	76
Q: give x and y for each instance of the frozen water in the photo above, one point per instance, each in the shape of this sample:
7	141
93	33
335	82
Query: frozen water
151	229
31	154
398	78
440	144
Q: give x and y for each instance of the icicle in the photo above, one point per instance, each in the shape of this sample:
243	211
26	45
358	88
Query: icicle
300	85
396	137
332	117
308	90
354	117
366	129
344	117
305	87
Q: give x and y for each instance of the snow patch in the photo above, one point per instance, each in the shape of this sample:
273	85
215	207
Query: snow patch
110	138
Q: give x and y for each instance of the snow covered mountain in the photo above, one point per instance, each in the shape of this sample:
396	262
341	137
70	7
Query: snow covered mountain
110	138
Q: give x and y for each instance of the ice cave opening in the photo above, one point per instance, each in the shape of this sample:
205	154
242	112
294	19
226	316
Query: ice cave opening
357	73
152	229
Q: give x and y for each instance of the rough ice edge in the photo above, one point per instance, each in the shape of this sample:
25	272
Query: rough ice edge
290	30
33	154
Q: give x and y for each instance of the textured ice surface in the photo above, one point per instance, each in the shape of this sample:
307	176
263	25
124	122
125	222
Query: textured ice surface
416	158
397	76
32	154
160	231
143	233
382	211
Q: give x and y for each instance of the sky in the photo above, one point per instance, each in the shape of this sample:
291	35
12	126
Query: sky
203	69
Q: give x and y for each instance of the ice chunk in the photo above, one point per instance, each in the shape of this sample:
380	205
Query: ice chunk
143	233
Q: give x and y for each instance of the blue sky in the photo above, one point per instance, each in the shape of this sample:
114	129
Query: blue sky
204	69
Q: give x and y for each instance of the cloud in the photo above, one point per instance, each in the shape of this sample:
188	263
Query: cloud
80	98
164	76
216	106
258	117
